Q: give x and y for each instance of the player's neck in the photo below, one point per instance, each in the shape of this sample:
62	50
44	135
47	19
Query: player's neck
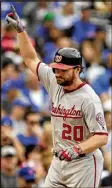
73	86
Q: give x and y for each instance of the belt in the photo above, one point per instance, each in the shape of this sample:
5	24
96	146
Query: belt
56	154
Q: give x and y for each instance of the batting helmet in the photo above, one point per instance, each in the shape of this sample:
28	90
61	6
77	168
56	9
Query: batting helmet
66	58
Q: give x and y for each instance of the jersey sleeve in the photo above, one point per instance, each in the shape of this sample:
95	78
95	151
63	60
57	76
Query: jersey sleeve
94	119
46	76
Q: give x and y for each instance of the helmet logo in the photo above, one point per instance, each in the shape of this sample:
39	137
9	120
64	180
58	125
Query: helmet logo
58	58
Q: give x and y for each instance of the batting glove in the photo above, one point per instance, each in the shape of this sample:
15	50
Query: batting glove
14	20
70	153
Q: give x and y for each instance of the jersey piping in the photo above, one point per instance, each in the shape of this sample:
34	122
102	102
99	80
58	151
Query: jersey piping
37	70
81	85
94	170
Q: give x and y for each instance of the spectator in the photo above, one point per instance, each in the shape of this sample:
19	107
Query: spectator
8	137
102	85
105	56
82	4
64	42
43	7
33	132
9	94
101	7
91	57
9	161
9	69
22	87
33	156
42	30
26	177
9	41
47	141
83	28
51	48
47	134
17	115
15	56
10	72
34	12
6	121
35	94
100	38
65	17
55	33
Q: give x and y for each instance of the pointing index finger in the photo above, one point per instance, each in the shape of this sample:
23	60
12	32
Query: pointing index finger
13	9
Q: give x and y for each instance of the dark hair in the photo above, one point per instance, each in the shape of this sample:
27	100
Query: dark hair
28	112
81	69
30	181
6	61
28	150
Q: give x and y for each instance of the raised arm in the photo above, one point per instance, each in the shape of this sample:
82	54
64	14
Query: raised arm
27	51
26	48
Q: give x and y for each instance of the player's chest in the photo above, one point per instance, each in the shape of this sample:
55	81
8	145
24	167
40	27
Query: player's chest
67	107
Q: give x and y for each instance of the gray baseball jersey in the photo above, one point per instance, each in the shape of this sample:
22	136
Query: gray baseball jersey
75	116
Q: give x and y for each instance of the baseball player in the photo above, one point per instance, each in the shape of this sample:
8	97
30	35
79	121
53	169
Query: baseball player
78	125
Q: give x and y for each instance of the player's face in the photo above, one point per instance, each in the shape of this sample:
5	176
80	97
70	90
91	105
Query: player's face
65	77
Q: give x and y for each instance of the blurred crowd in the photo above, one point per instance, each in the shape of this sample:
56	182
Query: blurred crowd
26	136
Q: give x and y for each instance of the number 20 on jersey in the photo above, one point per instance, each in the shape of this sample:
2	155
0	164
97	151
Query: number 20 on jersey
77	132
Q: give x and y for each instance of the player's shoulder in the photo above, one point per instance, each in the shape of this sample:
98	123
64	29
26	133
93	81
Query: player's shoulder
43	65
89	95
89	92
44	70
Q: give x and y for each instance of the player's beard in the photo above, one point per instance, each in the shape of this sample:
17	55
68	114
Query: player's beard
65	82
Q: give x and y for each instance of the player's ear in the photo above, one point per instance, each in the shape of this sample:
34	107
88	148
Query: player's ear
78	69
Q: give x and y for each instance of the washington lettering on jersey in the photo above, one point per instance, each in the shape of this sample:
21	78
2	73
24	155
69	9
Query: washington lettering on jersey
61	111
